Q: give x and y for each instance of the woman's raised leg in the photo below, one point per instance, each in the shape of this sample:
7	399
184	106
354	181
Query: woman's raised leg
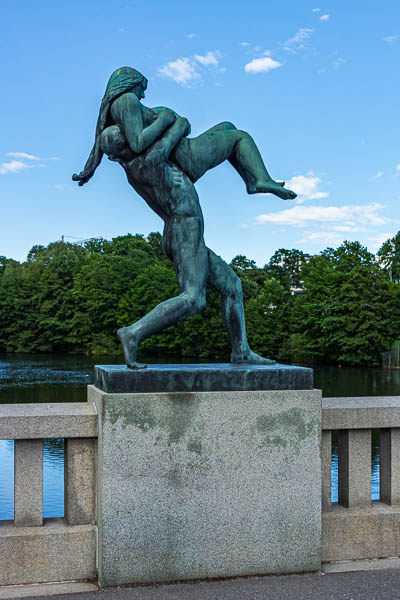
224	142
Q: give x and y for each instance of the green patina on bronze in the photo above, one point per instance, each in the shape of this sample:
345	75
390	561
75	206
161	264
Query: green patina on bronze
162	164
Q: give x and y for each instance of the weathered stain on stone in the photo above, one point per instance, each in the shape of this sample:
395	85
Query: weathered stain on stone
290	427
174	416
195	446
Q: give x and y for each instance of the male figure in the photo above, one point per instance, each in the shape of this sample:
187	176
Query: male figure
162	164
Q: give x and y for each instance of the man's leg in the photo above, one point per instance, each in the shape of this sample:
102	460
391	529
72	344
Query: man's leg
189	254
223	278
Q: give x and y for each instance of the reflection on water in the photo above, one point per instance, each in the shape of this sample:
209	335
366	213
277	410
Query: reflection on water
55	378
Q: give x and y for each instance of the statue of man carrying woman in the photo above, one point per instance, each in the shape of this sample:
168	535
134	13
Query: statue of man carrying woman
162	164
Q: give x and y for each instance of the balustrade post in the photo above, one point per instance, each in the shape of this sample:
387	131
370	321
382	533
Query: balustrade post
354	467
79	481
390	466
326	459
28	483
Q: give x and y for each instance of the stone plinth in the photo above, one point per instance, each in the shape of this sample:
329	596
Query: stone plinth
212	484
117	379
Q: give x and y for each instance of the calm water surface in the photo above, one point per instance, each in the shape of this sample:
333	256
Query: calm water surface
48	378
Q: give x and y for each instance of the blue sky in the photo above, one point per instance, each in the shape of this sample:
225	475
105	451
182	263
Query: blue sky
317	86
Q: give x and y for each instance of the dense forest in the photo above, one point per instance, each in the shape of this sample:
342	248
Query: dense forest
340	306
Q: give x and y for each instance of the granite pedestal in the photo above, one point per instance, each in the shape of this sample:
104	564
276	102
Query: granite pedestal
205	484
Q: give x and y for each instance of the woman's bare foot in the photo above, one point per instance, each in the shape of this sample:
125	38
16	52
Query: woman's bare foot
130	347
271	187
250	358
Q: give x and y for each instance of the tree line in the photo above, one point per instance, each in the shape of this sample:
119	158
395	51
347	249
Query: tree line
340	306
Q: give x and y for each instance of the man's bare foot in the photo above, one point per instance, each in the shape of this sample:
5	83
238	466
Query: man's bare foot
271	187
250	358
130	347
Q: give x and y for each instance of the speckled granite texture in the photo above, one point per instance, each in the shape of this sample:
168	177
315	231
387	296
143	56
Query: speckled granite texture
207	484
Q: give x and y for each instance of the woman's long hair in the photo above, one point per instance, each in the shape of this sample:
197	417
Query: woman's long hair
122	80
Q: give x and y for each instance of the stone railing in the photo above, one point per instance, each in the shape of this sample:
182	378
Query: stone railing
37	550
355	527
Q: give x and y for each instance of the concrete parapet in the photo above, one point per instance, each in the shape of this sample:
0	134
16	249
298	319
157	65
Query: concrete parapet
28	483
361	533
53	552
79	481
207	484
361	413
40	421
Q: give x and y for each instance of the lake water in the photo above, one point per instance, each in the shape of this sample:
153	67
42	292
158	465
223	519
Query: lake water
49	378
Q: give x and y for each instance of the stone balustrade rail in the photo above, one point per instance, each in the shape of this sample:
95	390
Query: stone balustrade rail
355	527
36	550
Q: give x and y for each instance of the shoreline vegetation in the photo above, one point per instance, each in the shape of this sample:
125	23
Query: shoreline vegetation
341	306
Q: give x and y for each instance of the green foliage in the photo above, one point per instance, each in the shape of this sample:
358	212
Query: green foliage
267	318
389	257
349	313
72	298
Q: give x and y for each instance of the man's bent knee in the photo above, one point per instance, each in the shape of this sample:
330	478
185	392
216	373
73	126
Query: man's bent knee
196	302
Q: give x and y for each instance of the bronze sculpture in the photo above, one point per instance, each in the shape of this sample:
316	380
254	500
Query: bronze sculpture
162	164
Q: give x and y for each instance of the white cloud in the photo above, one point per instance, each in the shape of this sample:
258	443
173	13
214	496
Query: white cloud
376	241
262	65
12	166
299	40
324	18
338	62
210	59
323	237
316	10
306	187
191	36
59	186
398	168
378	175
390	38
23	155
182	70
351	215
244	44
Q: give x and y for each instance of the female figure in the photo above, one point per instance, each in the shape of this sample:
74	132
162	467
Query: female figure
162	164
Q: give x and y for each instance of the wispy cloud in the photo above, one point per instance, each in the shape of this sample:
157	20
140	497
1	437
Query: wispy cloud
185	71
324	18
378	175
18	162
307	187
316	10
328	238
299	41
245	44
182	70
376	241
389	39
191	36
59	187
398	170
350	215
338	62
13	166
263	64
209	59
23	155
